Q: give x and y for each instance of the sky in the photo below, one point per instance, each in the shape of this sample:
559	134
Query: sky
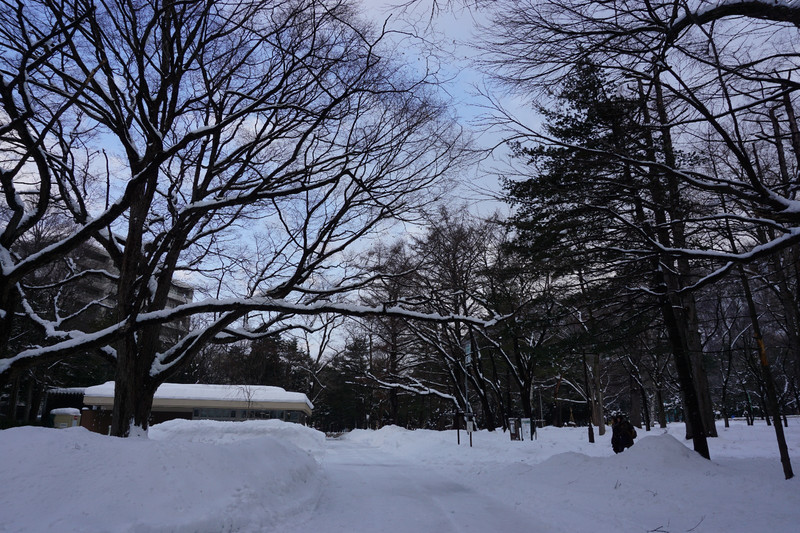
454	36
272	476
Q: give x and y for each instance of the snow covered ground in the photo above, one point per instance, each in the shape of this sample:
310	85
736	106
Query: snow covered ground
270	476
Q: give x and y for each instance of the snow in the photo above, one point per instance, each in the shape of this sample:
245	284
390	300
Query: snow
272	476
220	433
67	390
74	480
66	411
180	391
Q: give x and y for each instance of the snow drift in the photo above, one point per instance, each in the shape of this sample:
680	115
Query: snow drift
179	480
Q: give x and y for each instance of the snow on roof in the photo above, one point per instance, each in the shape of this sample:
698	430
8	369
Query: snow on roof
66	390
65	411
180	391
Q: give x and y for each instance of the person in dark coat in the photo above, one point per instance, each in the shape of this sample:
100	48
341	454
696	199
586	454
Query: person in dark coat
622	434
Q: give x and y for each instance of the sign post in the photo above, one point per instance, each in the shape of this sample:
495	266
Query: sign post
458	426
469	421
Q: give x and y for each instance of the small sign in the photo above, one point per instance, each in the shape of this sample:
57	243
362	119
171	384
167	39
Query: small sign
469	422
525	430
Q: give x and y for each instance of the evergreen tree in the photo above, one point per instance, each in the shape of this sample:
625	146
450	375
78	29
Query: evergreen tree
590	213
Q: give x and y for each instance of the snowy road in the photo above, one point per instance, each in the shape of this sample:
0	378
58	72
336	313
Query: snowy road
362	480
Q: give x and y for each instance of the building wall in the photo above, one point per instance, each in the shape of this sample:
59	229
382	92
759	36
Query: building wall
99	420
96	420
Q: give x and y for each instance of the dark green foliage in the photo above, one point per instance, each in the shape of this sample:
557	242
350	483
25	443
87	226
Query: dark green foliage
348	399
271	360
578	186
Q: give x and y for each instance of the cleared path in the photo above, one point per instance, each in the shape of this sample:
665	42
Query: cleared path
368	490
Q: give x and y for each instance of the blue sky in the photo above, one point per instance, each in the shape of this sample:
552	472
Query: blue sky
453	35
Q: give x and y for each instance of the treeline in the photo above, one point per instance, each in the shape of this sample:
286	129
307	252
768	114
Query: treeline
575	347
572	347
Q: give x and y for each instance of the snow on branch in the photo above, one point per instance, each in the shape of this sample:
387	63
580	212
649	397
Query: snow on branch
790	238
415	387
77	340
771	10
299	308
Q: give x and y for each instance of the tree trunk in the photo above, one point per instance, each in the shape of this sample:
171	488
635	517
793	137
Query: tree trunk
557	421
9	301
122	418
13	400
487	411
775	408
646	412
661	412
133	391
599	414
751	417
726	379
725	409
8	306
680	327
394	402
36	403
695	346
26	411
636	403
683	365
132	417
769	383
589	396
526	399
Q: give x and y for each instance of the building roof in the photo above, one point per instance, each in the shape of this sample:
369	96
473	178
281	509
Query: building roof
251	396
66	390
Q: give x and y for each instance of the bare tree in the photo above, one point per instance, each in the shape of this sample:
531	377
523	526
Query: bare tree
241	145
42	168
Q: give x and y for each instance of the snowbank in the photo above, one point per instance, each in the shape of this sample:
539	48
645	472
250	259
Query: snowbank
217	432
270	476
487	446
564	483
75	480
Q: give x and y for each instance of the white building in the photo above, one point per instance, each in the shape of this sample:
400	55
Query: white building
198	402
